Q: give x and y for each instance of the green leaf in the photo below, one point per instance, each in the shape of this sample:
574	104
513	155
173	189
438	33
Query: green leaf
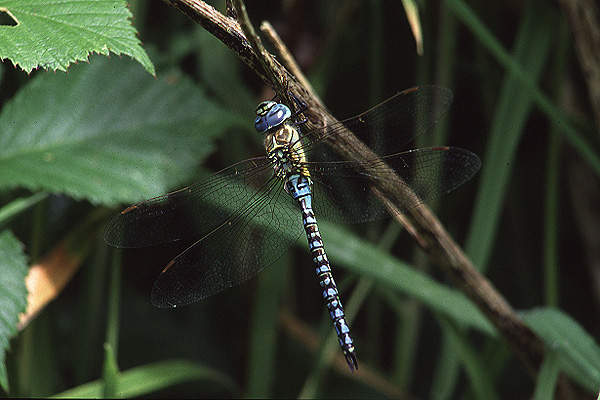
107	132
13	293
547	377
52	34
579	354
149	378
221	72
263	344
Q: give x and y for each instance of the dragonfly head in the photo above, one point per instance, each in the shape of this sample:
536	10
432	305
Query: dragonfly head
270	114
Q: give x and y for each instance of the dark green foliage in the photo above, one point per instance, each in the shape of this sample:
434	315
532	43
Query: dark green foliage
108	134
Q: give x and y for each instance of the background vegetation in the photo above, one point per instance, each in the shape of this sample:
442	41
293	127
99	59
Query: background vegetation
78	146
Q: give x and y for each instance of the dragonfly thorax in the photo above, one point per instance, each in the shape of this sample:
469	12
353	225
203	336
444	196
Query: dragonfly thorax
283	149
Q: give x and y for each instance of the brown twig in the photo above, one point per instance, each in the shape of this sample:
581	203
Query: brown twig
275	74
430	233
288	60
584	18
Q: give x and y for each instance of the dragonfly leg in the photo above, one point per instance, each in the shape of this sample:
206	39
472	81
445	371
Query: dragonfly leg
300	108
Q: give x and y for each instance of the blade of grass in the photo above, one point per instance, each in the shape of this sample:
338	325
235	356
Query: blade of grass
466	15
448	366
19	205
532	49
111	369
262	363
578	351
474	365
447	371
545	384
551	207
152	377
346	249
110	372
114	300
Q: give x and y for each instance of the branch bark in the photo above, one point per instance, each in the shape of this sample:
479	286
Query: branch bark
584	18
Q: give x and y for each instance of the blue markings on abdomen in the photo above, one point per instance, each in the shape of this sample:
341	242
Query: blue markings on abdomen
298	186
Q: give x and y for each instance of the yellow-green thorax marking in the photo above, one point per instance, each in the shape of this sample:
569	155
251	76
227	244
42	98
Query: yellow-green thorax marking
284	149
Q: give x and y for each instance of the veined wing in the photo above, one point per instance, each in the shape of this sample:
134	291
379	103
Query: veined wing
252	238
190	212
243	220
343	189
387	127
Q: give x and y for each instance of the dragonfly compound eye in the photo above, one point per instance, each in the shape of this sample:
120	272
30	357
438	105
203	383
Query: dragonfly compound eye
270	114
278	114
261	125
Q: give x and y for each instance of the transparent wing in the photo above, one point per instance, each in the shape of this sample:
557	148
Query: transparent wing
387	127
250	240
190	212
343	189
242	218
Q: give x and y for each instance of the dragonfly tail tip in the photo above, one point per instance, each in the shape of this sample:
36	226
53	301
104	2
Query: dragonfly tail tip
352	362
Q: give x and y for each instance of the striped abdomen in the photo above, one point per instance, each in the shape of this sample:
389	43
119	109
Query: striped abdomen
299	188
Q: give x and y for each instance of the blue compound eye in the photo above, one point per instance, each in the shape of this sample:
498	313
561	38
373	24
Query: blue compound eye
260	123
278	114
270	114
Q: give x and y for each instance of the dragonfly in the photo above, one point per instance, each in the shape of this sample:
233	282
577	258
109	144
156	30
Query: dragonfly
245	217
